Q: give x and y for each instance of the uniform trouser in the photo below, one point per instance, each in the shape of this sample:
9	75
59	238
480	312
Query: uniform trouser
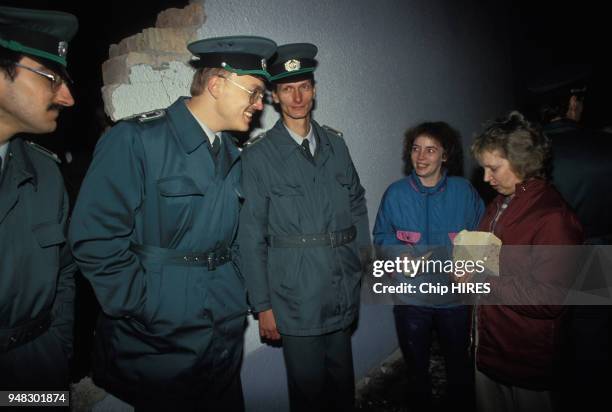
414	331
320	372
39	364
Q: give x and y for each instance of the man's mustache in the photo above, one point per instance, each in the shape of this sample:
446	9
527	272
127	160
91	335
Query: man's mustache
54	106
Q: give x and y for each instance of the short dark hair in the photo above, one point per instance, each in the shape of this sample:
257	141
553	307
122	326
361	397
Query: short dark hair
523	144
8	60
446	136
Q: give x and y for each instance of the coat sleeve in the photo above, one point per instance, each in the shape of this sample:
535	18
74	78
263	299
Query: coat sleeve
103	222
384	231
252	232
63	306
478	209
552	269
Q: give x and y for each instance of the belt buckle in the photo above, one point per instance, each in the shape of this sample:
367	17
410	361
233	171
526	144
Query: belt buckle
332	240
210	260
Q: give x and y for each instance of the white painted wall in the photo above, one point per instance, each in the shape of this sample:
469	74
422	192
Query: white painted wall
383	66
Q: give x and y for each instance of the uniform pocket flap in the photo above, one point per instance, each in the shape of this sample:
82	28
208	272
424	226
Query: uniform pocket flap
287	190
49	234
178	186
343	180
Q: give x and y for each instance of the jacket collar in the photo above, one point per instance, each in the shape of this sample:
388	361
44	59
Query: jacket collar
286	145
525	193
191	135
186	128
228	155
529	187
416	184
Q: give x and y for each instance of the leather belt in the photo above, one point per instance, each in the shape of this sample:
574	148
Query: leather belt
11	338
211	259
331	239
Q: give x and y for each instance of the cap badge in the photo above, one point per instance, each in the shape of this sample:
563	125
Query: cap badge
62	49
264	65
292	65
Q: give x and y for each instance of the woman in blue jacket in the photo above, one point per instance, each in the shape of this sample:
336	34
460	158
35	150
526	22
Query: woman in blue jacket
423	212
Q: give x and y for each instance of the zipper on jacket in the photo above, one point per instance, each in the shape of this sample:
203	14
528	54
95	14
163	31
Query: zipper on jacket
501	208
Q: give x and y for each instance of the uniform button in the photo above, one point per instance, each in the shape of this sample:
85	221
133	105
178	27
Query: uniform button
224	354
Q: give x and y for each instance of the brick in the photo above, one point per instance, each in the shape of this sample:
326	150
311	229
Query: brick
192	15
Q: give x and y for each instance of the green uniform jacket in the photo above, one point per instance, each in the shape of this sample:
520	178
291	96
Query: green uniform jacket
312	290
169	331
36	268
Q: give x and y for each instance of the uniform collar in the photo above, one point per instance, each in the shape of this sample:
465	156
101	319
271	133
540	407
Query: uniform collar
187	129
310	136
191	135
286	145
210	135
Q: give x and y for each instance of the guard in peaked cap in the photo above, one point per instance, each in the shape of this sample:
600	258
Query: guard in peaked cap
559	91
293	62
40	34
37	271
237	54
326	220
563	79
198	368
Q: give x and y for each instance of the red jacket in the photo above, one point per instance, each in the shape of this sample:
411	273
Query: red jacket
519	345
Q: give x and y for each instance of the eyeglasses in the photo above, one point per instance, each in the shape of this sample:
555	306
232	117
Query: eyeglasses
254	95
55	79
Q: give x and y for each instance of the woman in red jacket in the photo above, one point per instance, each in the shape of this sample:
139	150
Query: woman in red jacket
517	346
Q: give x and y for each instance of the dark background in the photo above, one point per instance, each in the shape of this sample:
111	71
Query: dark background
542	35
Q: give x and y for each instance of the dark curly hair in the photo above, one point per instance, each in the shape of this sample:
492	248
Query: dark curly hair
446	136
524	145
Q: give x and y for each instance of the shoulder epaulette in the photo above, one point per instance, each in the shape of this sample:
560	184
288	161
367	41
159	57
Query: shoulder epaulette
254	140
44	151
332	130
147	116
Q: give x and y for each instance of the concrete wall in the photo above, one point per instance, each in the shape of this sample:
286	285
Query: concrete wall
383	66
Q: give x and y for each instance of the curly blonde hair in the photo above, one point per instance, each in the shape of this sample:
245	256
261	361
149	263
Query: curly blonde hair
524	145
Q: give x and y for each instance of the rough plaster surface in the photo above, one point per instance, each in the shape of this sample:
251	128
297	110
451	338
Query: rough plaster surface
149	70
147	89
